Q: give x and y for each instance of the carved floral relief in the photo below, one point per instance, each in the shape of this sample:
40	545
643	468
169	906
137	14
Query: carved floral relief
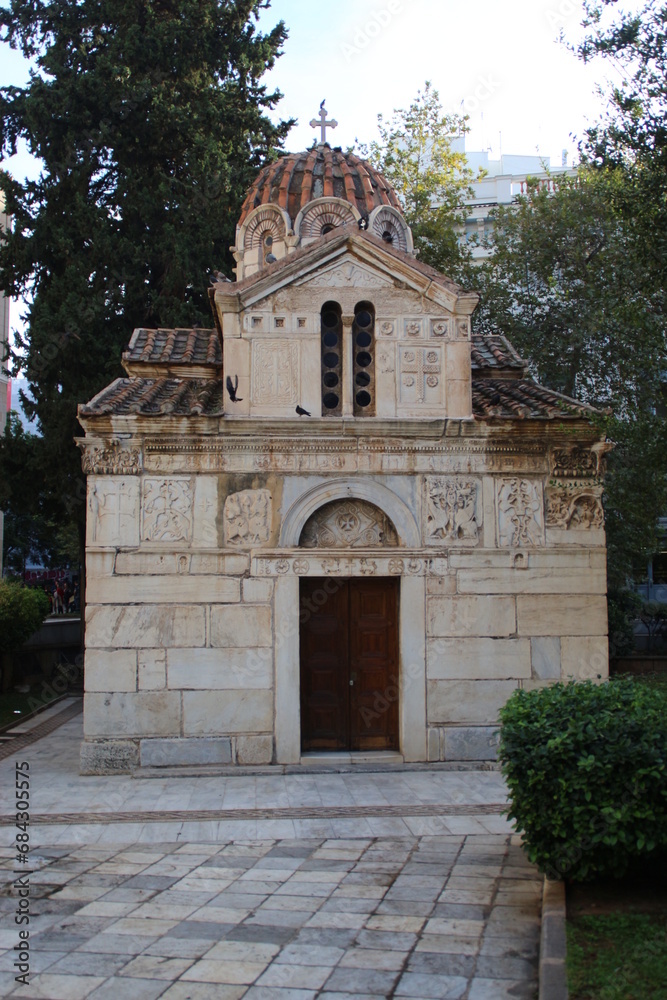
247	517
452	510
567	462
112	461
520	512
167	510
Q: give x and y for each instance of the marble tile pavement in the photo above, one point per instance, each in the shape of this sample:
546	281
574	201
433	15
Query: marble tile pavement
406	884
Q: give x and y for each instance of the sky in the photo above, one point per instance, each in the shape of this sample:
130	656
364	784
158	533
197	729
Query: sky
499	62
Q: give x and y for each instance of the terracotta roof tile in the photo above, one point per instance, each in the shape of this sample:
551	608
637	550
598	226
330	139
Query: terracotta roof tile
517	399
158	397
296	178
523	399
491	352
181	346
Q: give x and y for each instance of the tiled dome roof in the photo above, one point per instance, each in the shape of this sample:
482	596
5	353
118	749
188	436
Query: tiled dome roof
321	172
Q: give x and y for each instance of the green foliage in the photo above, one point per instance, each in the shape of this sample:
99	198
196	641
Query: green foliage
31	534
416	154
22	611
150	122
586	769
623	606
617	957
566	282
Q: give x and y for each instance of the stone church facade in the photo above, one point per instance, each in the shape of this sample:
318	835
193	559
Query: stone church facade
337	521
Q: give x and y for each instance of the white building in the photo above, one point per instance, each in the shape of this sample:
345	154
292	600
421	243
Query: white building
504	179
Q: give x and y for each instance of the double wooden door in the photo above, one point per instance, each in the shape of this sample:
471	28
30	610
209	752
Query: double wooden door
349	663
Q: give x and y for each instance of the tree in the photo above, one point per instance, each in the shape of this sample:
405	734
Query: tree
31	534
416	153
149	120
566	282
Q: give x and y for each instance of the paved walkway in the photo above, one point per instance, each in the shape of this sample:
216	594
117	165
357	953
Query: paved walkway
404	884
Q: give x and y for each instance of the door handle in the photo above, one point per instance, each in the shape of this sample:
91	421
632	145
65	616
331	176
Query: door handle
353	678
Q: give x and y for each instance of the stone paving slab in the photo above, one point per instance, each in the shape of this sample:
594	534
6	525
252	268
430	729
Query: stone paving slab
362	886
289	936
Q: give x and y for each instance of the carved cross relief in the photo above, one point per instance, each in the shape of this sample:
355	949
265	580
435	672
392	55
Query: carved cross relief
348	524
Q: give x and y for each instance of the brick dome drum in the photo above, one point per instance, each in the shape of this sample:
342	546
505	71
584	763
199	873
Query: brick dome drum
304	196
321	172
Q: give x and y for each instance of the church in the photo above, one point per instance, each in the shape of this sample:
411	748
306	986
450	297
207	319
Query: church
338	526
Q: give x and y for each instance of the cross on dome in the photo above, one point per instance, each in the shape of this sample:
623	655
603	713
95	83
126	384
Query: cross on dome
322	123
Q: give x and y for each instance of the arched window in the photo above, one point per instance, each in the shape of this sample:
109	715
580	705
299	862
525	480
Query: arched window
332	359
363	336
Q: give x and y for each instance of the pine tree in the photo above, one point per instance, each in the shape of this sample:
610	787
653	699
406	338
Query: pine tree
150	121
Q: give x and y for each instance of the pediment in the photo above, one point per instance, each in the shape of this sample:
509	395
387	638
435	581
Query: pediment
346	273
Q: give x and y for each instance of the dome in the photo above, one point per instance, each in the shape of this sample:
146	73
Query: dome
321	172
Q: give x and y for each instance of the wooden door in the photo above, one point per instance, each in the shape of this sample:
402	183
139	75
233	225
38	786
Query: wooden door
349	664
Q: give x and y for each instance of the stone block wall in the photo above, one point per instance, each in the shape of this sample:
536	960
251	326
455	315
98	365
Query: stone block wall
192	655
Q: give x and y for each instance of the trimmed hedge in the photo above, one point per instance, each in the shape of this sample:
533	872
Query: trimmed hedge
586	769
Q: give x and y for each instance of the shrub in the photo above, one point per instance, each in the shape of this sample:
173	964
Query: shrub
22	611
585	766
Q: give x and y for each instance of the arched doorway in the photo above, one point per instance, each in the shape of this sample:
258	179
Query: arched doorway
349	651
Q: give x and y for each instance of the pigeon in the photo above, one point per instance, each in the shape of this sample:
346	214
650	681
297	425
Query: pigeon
363	222
232	387
302	413
271	258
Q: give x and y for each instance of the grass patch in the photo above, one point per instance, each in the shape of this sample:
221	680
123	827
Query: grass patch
617	957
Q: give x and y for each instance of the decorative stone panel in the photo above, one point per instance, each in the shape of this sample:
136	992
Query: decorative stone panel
573	462
420	376
247	518
113	511
573	505
520	512
275	373
452	511
166	510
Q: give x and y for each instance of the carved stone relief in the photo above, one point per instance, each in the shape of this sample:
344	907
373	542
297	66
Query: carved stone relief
347	564
421	369
413	328
440	328
570	462
571	505
520	512
348	275
247	517
275	372
167	510
386	327
452	511
113	507
113	461
348	524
